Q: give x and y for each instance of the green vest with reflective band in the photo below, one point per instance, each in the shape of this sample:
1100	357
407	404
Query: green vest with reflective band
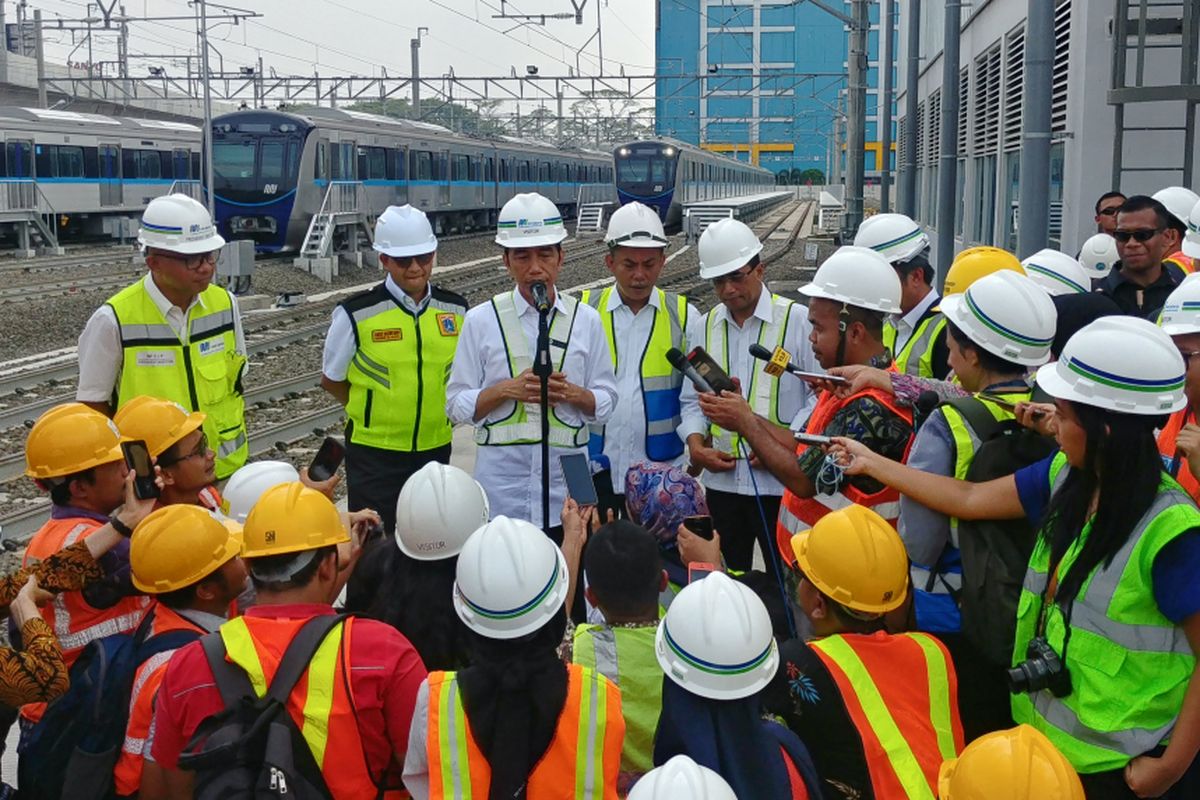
400	368
626	657
661	383
1129	664
524	424
203	375
916	357
763	392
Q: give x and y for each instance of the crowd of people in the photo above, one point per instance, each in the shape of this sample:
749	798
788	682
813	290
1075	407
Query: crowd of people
919	542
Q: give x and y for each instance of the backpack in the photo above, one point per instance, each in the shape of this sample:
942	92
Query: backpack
253	749
995	553
72	751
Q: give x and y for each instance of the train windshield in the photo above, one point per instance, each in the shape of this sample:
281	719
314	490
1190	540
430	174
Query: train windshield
646	170
249	168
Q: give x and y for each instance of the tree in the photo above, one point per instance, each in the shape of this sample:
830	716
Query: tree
816	176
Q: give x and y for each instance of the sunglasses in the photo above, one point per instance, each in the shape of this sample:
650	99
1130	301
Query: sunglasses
1111	211
404	262
192	262
1140	235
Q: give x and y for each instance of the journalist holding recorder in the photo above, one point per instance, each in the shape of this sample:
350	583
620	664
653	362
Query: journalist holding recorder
1108	621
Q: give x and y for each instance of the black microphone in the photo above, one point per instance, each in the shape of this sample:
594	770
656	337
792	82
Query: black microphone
541	300
679	361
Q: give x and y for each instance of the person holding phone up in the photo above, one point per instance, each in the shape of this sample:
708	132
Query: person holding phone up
176	440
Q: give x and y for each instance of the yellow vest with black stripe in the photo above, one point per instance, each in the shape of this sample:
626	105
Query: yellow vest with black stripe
400	368
203	375
916	357
661	383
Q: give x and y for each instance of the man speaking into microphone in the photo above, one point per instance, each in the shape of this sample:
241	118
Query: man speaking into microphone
493	385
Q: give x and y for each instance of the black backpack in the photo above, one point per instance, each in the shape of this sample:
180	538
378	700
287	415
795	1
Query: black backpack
253	749
72	750
995	553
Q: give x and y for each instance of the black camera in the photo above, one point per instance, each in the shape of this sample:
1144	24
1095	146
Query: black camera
1041	669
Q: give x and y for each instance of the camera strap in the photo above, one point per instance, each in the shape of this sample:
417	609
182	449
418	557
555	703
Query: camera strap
1048	595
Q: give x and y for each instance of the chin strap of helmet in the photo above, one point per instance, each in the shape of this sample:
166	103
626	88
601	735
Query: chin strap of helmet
843	324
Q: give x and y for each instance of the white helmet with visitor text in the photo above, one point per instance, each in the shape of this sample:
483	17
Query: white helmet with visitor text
726	246
403	231
857	276
439	507
530	220
635	225
1181	313
178	224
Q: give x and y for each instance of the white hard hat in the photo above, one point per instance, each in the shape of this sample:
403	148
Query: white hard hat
857	276
529	220
248	483
1098	255
511	579
1181	312
1121	364
178	224
894	236
635	225
1057	272
404	231
1191	242
1006	314
681	779
1179	200
726	246
438	508
716	640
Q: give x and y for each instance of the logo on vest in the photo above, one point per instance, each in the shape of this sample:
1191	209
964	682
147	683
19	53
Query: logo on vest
447	325
387	335
211	347
156	358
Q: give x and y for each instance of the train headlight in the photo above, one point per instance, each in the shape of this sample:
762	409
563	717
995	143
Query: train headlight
669	151
624	151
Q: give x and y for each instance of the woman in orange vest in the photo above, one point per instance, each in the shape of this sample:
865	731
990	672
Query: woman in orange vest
517	722
1179	439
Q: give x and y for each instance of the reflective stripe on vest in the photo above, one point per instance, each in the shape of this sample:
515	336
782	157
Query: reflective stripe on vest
202	375
763	391
916	356
661	383
908	726
524	425
1175	464
1130	665
1184	262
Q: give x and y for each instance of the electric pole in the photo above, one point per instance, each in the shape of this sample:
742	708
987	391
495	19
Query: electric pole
1033	231
207	140
886	64
908	196
416	72
947	198
856	127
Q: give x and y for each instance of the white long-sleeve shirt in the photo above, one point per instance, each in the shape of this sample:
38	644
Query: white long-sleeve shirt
512	474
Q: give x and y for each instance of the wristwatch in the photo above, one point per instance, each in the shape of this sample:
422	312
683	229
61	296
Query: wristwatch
119	526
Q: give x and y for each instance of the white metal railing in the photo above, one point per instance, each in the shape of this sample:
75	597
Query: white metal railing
342	197
25	196
596	193
191	188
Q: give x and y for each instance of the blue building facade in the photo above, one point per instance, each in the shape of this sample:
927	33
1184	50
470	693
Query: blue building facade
761	80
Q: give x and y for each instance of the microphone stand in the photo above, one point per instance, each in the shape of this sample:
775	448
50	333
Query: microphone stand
542	368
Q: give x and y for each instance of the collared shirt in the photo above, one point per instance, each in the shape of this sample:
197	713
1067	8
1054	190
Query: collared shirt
796	398
907	324
100	351
1141	301
512	475
339	342
625	431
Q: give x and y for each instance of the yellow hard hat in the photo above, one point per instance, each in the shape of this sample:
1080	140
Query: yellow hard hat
178	545
159	423
290	518
71	438
973	263
856	558
1016	764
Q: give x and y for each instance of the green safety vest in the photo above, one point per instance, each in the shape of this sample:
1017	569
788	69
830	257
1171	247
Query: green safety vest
661	383
400	368
524	424
626	657
203	375
916	357
763	392
1130	665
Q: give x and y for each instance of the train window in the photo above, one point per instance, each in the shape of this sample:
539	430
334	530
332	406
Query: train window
271	158
420	167
505	170
489	169
321	162
44	158
399	161
180	164
149	164
70	162
91	162
460	169
196	165
544	172
372	163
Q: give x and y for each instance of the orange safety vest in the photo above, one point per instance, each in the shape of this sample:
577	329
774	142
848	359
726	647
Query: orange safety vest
581	763
74	621
1185	263
902	694
801	513
1179	470
127	775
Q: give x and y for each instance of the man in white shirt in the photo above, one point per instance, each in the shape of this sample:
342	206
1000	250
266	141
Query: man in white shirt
492	385
747	314
641	323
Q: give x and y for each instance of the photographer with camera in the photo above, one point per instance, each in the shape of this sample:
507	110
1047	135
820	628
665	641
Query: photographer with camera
1108	621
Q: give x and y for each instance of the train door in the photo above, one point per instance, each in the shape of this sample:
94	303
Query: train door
19	153
181	164
476	168
111	193
443	178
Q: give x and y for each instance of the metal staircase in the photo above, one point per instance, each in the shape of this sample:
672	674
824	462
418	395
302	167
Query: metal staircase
22	204
593	204
191	188
340	227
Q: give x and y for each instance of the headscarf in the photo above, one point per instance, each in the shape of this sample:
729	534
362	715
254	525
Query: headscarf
659	496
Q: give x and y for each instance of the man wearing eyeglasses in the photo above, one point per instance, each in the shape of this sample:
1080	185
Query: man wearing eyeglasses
1141	281
387	357
173	334
1106	211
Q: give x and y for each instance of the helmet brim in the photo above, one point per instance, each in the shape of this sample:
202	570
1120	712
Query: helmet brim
194	421
205	245
724	268
713	686
411	250
954	309
1051	380
812	290
509	624
513	242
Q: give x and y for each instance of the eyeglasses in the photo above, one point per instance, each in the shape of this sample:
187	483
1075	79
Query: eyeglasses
192	262
736	278
1111	211
404	262
1140	235
199	451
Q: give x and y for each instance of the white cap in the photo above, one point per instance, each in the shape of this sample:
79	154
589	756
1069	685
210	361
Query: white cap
1179	201
635	225
681	779
896	237
1123	364
178	224
857	276
1057	272
529	220
1191	242
716	640
726	246
404	231
1181	312
248	483
439	507
1098	255
1006	314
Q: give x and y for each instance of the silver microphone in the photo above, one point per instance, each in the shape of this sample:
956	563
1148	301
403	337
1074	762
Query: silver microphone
541	299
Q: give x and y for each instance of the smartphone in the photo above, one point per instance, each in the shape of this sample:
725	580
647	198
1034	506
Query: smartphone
1011	408
701	525
816	377
137	458
700	569
711	371
579	478
813	439
327	460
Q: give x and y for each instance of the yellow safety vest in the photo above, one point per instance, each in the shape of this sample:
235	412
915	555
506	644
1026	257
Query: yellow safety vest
203	375
916	357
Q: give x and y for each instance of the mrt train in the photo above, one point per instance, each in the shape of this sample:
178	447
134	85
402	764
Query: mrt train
666	173
272	170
